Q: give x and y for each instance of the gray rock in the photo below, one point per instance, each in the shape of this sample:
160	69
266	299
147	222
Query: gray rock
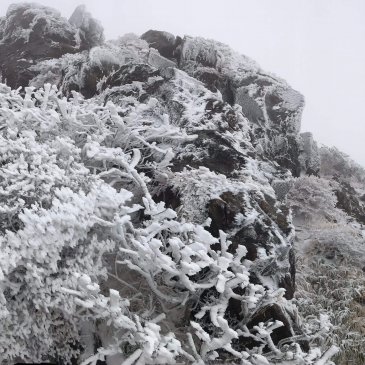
158	61
90	32
30	33
164	42
268	102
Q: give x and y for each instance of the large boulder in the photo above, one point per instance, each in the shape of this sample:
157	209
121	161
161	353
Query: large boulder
31	33
164	42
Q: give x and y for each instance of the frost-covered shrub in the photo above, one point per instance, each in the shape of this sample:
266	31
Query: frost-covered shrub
312	199
337	163
282	188
330	280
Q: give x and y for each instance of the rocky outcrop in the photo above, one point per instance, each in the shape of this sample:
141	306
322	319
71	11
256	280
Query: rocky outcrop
268	102
89	32
165	43
271	106
235	131
31	33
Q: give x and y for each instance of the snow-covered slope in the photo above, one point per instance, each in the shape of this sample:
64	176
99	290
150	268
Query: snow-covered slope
144	200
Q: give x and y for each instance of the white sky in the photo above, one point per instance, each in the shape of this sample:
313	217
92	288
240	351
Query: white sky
318	46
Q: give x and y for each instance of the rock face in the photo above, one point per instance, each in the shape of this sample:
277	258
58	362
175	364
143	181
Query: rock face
271	106
31	33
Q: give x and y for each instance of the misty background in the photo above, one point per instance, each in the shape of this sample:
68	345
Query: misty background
317	46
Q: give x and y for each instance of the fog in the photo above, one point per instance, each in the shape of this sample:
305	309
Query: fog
317	46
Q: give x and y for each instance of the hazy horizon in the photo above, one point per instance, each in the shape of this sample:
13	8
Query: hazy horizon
318	47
